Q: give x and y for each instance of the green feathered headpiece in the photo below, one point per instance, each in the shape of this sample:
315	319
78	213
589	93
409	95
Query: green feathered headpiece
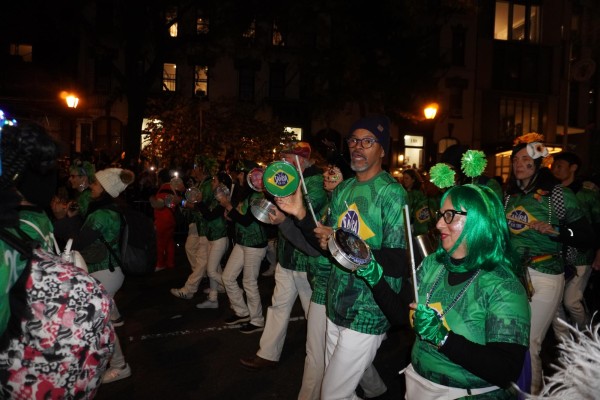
442	175
473	163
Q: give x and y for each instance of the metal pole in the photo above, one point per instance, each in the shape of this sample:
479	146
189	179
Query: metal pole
411	251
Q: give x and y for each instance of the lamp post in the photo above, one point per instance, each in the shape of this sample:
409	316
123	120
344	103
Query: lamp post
430	111
72	102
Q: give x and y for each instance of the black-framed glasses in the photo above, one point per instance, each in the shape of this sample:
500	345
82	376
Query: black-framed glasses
366	143
448	215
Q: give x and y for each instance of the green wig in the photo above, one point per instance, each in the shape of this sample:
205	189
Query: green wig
485	231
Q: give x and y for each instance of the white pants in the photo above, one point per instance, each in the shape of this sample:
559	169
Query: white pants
314	364
544	303
216	250
112	282
572	305
247	259
349	355
288	286
196	249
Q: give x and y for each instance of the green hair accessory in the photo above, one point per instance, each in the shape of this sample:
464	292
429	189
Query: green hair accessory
473	163
442	175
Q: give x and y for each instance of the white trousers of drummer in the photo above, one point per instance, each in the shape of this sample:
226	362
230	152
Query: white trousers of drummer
572	305
289	285
248	260
348	358
196	249
544	303
314	364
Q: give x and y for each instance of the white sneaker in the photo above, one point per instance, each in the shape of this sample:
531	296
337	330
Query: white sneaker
220	289
115	374
182	294
208	304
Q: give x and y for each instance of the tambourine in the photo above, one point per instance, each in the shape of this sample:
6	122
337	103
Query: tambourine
170	201
221	191
261	208
193	195
348	249
255	179
281	178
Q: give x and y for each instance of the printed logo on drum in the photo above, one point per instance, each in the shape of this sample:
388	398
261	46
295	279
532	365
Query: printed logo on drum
423	214
518	220
352	221
281	178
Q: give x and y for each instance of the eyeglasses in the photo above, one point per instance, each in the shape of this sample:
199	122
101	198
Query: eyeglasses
366	143
449	215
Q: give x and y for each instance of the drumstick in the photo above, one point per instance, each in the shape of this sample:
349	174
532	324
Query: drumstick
412	252
231	191
526	224
306	197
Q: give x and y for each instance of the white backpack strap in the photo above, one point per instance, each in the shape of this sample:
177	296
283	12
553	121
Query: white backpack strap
49	239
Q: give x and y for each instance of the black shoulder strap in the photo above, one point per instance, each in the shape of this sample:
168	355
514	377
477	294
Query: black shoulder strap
24	244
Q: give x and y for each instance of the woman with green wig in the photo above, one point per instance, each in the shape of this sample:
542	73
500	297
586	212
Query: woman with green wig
471	315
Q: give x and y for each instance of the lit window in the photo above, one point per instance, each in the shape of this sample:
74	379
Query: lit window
201	81
22	50
169	77
171	15
294	130
277	39
201	25
517	21
251	31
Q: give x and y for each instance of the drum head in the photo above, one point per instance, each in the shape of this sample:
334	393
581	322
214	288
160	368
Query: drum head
261	208
281	178
177	184
221	191
255	179
353	247
193	194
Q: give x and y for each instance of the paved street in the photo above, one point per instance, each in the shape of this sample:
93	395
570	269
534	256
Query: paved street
177	351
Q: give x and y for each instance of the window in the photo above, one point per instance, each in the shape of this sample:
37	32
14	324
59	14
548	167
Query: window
277	36
251	31
246	89
24	51
102	75
201	24
517	21
170	16
169	77
456	87
277	81
519	116
201	81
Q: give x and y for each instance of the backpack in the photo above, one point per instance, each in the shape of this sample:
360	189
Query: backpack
65	338
138	243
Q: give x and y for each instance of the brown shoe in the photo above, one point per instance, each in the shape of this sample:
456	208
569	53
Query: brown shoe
257	363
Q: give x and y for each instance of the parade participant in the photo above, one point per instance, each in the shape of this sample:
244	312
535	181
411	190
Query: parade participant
291	280
98	242
247	253
370	206
81	175
196	242
472	313
565	168
218	242
533	202
165	201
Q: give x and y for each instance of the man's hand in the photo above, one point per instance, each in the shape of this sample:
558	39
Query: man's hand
323	233
276	217
292	204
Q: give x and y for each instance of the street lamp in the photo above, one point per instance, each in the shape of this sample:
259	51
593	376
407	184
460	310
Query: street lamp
430	110
72	101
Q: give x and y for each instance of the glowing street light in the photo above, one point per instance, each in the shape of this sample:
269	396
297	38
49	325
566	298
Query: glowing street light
431	110
72	101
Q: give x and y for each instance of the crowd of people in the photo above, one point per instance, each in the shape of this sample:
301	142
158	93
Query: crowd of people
506	261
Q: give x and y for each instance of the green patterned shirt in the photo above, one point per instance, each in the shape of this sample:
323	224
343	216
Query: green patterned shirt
494	308
373	210
536	206
253	235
